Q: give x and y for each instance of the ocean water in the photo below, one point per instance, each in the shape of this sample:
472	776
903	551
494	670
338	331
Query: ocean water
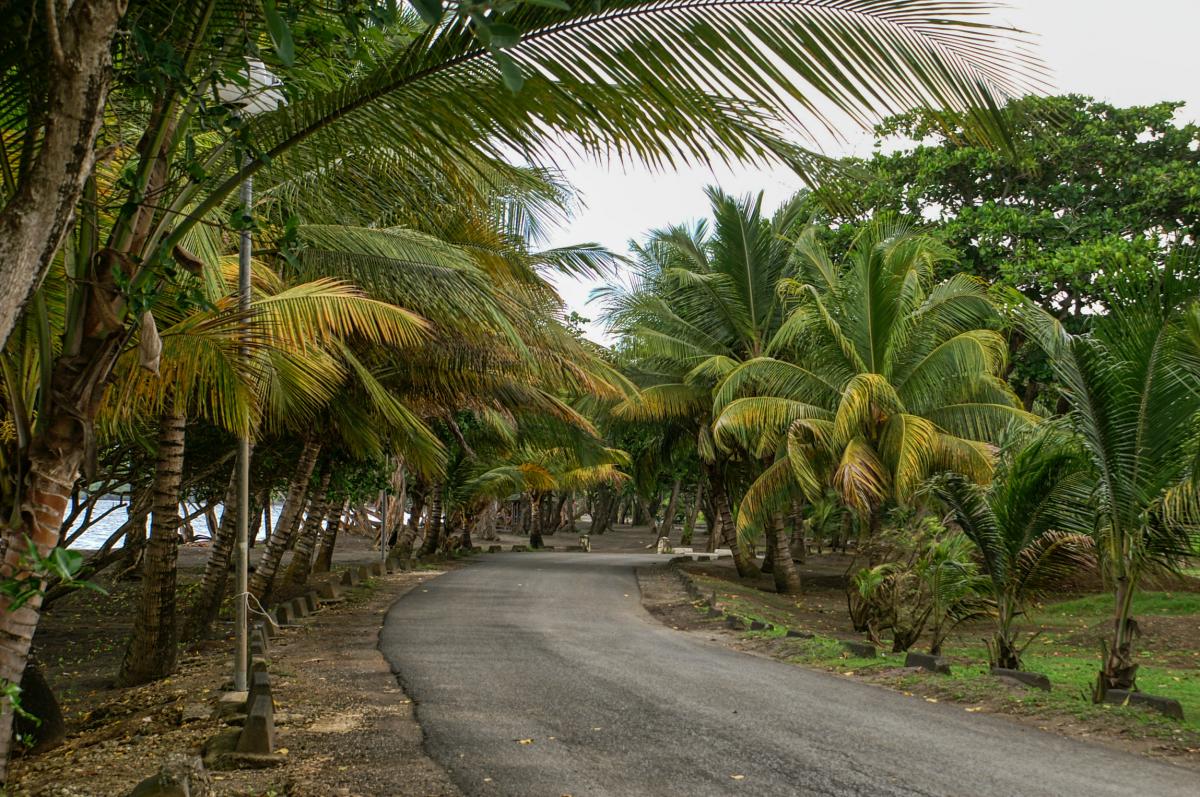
97	534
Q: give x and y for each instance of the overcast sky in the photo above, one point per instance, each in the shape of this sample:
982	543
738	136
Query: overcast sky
1127	53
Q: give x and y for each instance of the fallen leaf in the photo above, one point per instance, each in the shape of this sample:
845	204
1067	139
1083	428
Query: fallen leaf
737	777
524	741
973	709
931	700
282	751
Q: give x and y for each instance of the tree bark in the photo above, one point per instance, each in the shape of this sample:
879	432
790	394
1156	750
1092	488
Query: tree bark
153	647
536	507
216	570
668	521
433	529
289	520
412	530
36	218
741	561
301	565
787	577
333	523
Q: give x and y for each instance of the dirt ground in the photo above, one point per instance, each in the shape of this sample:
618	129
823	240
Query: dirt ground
344	724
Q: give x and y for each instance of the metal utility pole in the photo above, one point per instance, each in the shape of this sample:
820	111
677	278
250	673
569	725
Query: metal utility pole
241	662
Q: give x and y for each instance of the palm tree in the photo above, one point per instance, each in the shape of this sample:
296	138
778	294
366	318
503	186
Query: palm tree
876	380
702	303
1131	386
1028	526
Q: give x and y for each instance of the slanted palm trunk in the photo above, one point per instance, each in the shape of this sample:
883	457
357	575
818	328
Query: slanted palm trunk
433	529
668	521
216	570
408	537
787	577
333	523
301	564
152	649
689	525
536	507
741	561
135	531
289	520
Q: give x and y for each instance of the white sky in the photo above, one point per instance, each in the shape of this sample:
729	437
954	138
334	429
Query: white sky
1126	53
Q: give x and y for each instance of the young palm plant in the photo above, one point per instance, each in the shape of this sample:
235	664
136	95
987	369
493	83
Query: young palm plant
1029	526
1131	384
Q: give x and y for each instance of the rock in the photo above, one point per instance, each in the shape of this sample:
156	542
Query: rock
519	548
860	649
284	614
735	622
328	591
181	775
230	703
375	569
351	578
495	548
927	662
713	611
1163	705
758	625
1023	678
364	573
310	601
38	700
794	634
476	549
299	607
194	712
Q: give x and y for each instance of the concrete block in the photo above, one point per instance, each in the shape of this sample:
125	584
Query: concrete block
299	607
230	703
364	573
860	649
495	548
376	569
284	614
328	591
351	577
260	684
927	662
1034	679
1163	705
258	732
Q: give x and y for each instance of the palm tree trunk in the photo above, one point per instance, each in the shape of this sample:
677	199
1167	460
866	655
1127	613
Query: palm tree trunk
408	537
741	561
1120	670
787	577
535	525
216	571
668	521
433	529
689	526
333	524
289	521
152	649
301	564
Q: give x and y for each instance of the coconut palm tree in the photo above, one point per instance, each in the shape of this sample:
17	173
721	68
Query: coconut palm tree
703	302
1134	401
1028	526
876	380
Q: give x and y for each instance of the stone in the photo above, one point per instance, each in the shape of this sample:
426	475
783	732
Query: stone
351	578
364	573
310	601
375	569
927	662
713	611
284	614
181	775
792	633
1163	705
860	650
519	548
299	607
476	549
194	712
1034	679
495	548
758	625
258	732
735	622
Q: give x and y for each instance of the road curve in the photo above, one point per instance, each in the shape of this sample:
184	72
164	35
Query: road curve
556	648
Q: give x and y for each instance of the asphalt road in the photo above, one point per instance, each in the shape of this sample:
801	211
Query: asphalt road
556	649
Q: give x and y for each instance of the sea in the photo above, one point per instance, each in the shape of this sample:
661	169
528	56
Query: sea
99	532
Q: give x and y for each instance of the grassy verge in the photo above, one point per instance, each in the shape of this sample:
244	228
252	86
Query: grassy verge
1065	649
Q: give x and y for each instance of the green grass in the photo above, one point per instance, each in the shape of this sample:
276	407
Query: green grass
1101	606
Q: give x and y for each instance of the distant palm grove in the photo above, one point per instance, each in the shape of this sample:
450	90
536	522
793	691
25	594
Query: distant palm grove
972	360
